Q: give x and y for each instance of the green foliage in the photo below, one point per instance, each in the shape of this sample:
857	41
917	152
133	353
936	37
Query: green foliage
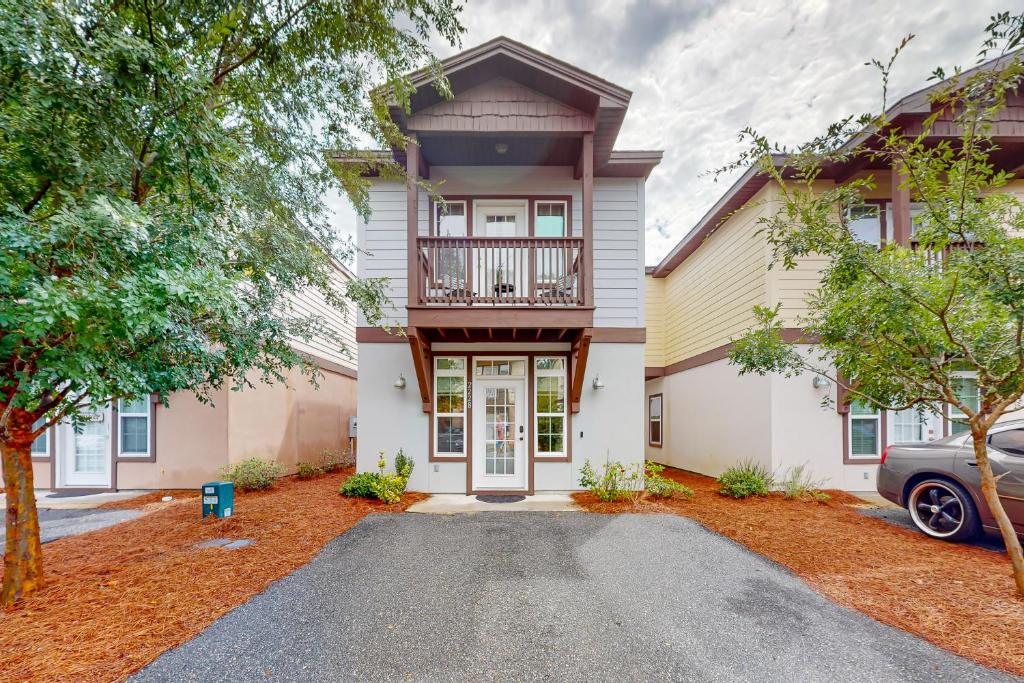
615	482
403	464
385	486
253	474
306	470
360	485
744	480
798	484
659	486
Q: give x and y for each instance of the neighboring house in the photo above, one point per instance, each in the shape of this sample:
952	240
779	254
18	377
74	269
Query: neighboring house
515	347
145	445
701	414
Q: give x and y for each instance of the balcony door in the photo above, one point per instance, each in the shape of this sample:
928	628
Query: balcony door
502	268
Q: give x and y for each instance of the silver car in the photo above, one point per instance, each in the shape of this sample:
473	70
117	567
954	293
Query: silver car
940	485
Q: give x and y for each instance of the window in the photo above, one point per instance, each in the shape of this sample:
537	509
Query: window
965	386
450	407
134	416
450	219
500	368
41	446
865	430
654	420
909	426
865	223
1010	442
551	219
549	385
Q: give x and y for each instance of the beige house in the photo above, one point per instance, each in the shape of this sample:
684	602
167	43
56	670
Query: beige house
145	445
701	415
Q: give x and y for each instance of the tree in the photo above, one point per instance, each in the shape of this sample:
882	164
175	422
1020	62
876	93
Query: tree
897	326
162	173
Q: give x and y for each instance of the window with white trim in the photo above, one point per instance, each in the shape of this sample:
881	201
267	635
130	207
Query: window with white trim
41	445
133	427
965	387
450	219
865	430
865	223
550	406
654	420
909	426
450	407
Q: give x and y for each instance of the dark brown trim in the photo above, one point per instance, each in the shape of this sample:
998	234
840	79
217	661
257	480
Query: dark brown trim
790	335
580	351
900	194
661	420
619	335
412	213
377	335
500	317
531	202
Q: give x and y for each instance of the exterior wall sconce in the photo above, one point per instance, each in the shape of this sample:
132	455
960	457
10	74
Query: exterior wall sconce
400	382
598	384
819	382
501	148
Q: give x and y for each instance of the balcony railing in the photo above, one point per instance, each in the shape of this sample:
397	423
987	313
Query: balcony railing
501	271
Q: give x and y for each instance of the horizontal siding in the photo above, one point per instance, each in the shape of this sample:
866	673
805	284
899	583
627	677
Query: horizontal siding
618	252
709	298
654	293
312	303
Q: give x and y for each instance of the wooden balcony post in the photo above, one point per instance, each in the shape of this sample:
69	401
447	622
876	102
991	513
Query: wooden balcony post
900	207
588	218
412	217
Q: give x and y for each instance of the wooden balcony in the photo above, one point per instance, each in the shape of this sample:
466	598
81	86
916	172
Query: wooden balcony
502	271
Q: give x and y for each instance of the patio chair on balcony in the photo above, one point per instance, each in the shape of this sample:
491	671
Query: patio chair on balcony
560	288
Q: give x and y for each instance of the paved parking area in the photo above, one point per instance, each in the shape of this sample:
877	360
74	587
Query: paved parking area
900	517
57	523
560	596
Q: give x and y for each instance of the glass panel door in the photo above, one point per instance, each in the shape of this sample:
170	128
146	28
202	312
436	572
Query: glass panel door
85	451
499	433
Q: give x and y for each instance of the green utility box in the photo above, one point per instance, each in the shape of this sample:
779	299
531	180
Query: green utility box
218	498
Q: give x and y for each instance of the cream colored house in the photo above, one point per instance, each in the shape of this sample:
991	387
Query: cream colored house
145	445
701	415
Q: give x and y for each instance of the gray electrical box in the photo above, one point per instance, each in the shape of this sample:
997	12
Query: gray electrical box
353	423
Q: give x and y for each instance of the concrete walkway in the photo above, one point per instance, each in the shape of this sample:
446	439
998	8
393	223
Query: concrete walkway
454	503
62	515
539	596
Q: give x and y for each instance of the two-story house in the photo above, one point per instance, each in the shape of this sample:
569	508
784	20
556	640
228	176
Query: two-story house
702	415
515	348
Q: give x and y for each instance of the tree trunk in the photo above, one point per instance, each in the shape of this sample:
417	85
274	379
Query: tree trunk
23	553
995	506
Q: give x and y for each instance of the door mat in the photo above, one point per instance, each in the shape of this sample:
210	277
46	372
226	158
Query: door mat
500	499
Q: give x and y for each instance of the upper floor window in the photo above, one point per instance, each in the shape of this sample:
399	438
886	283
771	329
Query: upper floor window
450	219
865	223
551	219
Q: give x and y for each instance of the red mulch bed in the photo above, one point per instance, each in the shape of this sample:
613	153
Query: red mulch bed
116	598
959	597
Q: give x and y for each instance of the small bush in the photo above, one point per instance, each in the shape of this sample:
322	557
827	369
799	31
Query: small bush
253	474
663	487
389	487
799	485
616	482
307	470
403	464
360	485
745	480
330	460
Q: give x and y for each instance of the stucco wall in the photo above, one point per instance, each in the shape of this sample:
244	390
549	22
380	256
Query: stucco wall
713	418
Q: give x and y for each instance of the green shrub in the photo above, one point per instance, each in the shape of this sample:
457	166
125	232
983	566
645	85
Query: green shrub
616	481
745	480
798	484
663	487
307	470
385	486
253	474
330	460
360	485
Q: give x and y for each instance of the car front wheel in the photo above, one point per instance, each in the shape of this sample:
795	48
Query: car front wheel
944	510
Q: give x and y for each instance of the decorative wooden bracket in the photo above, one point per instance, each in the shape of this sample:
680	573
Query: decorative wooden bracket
420	348
580	351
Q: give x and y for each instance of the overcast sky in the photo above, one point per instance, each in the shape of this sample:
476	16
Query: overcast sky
701	71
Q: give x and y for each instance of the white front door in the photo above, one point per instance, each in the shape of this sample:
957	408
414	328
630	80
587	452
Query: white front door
499	434
85	452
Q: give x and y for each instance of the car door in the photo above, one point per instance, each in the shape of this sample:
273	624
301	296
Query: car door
1006	454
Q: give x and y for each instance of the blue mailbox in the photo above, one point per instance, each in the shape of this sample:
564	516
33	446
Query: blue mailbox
218	498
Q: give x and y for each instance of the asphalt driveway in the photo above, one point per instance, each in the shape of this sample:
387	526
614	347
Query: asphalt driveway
548	597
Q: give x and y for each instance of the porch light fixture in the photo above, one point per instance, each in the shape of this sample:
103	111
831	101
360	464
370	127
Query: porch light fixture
501	148
819	382
598	384
400	382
